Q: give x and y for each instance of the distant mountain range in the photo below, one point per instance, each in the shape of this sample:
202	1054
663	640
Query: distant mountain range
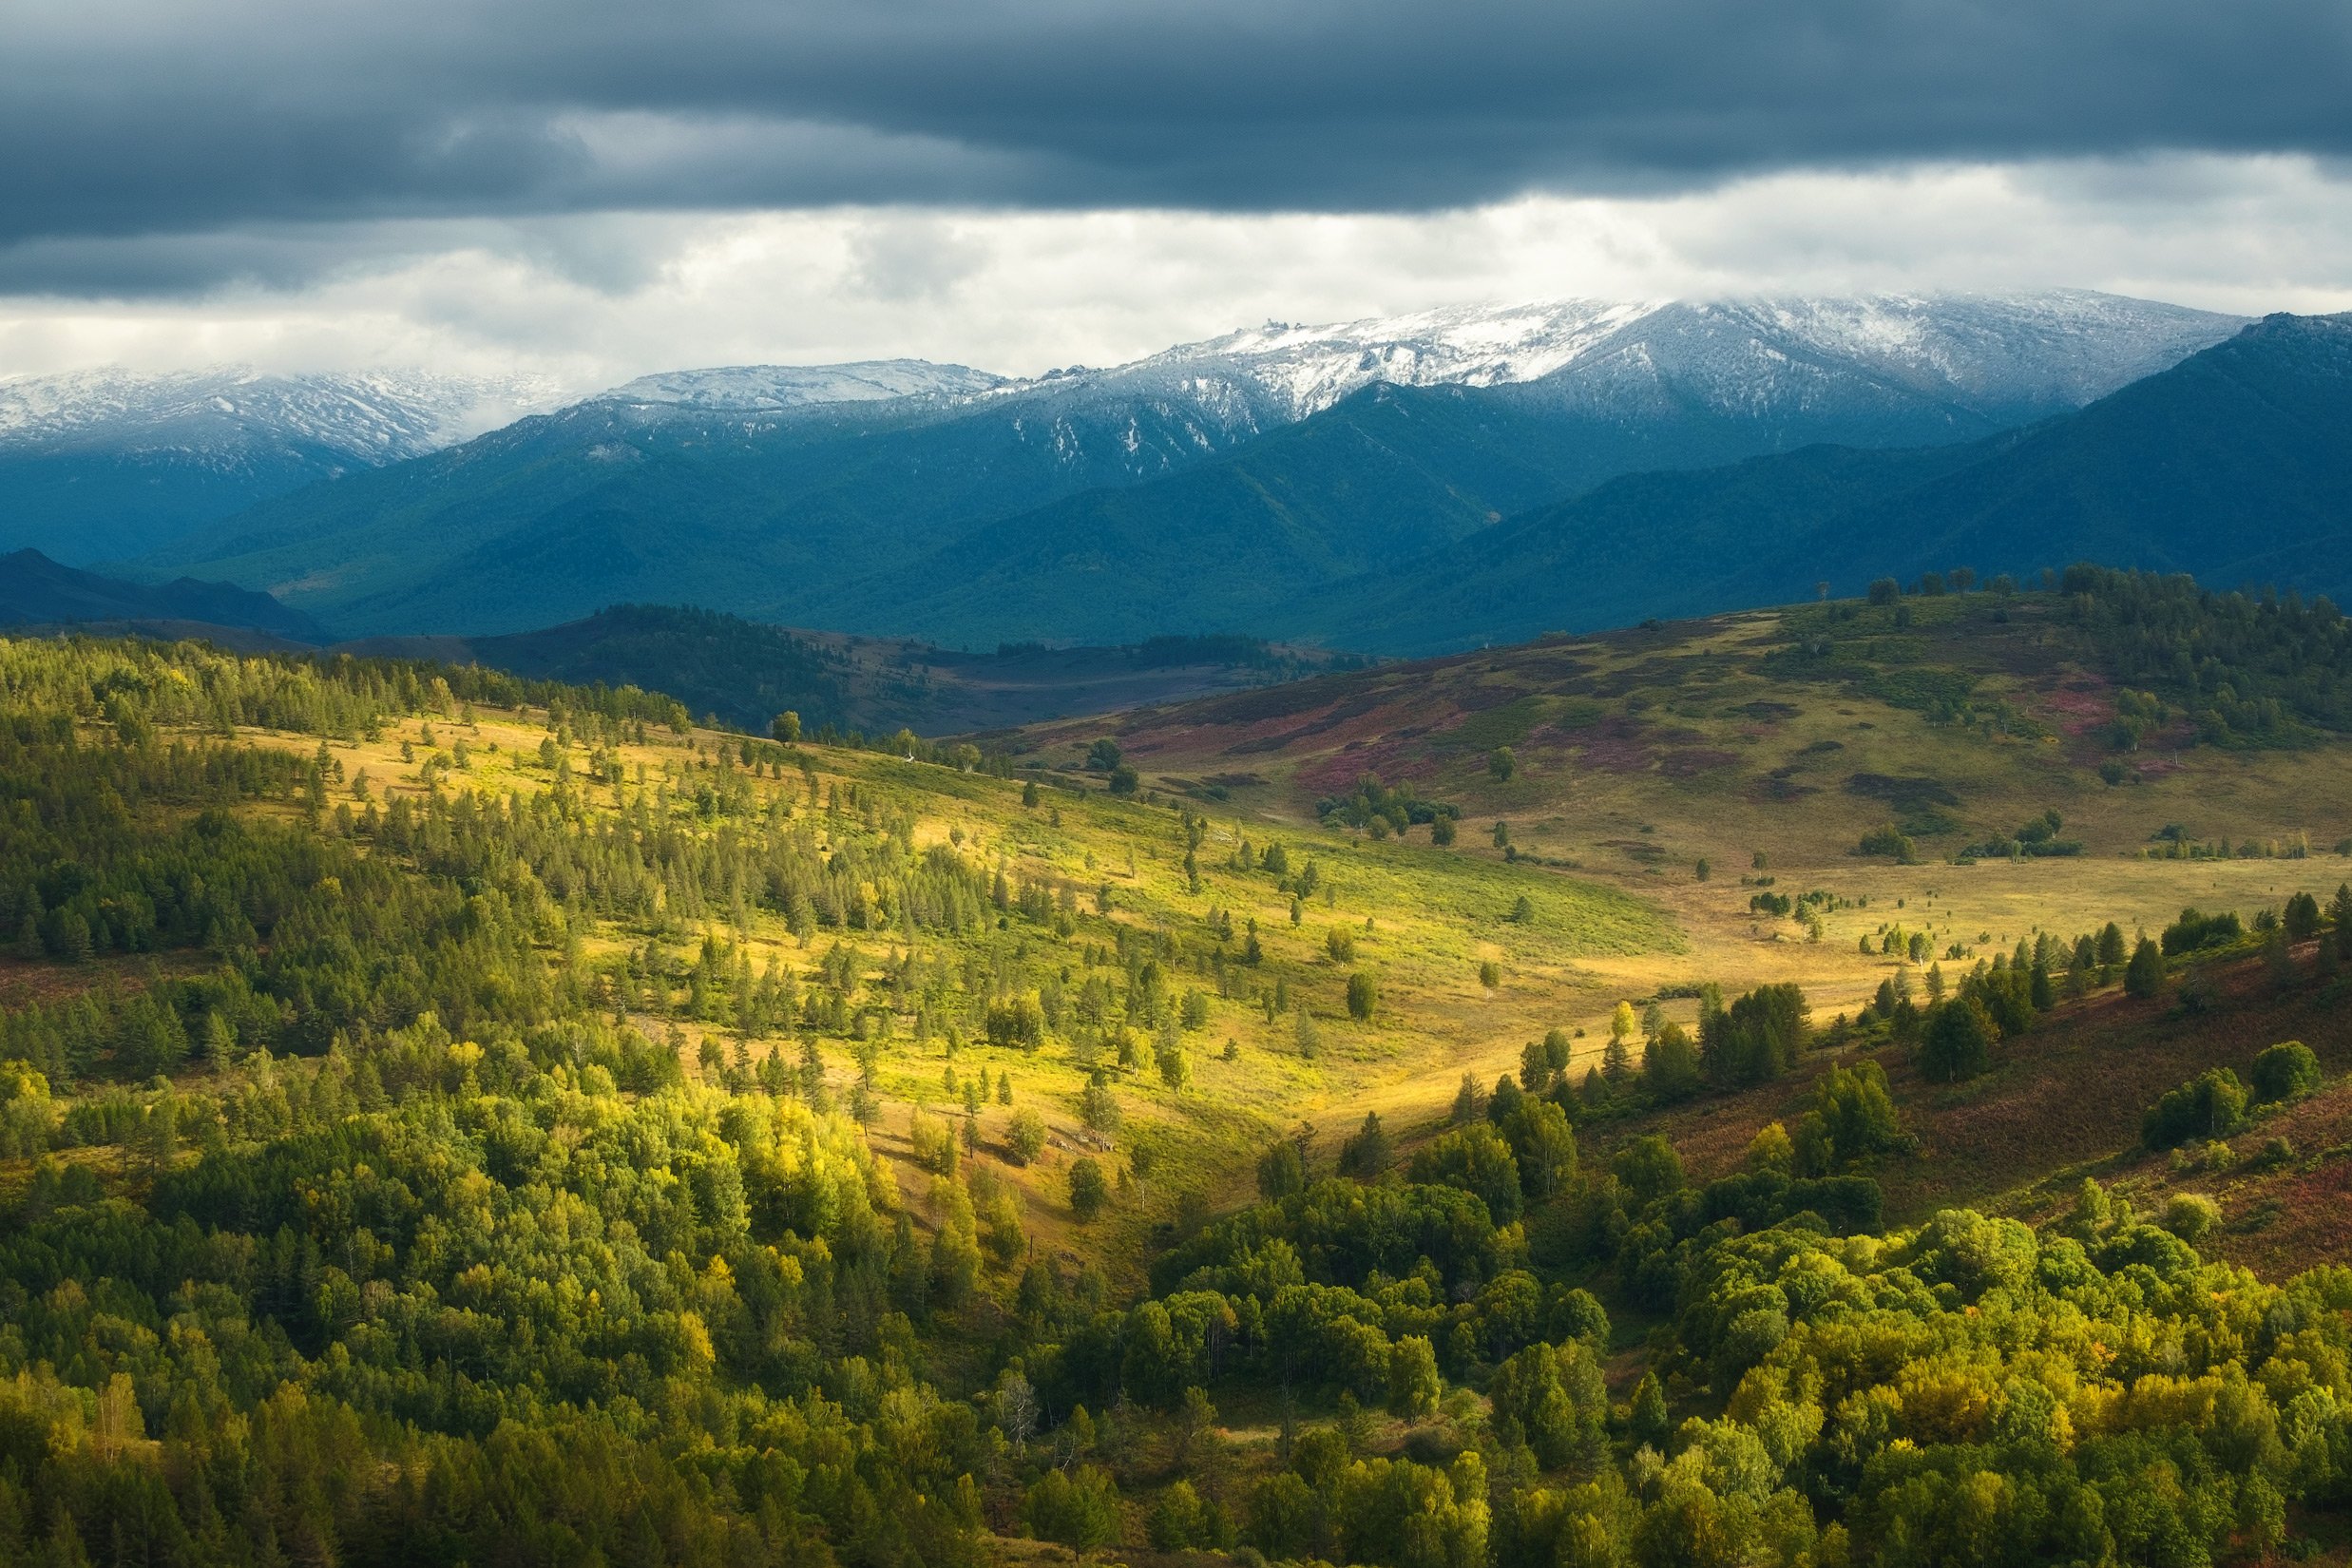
2234	466
37	591
741	672
100	465
1343	529
1215	488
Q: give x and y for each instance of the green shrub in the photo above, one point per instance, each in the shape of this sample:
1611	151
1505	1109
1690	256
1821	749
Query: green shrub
2285	1071
2210	1105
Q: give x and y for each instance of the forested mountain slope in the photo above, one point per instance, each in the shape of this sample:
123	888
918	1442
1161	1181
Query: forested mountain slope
2235	465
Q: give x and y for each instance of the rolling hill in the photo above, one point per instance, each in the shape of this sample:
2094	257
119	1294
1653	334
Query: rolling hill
745	673
457	1120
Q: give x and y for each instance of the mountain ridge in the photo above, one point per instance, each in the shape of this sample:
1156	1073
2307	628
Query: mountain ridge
864	515
97	463
2234	466
37	591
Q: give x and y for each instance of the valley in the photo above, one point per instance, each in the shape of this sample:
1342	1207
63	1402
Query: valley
821	785
1002	1053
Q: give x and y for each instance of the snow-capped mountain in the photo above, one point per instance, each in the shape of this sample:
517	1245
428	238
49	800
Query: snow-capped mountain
763	387
2002	358
103	463
1873	369
1284	371
2049	349
226	415
866	491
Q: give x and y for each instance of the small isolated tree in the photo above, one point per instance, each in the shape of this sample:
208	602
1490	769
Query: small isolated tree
2301	917
1469	1101
1957	1044
1369	1152
1025	1135
1362	997
1089	1193
1280	1171
2285	1071
785	727
2144	976
1501	762
1099	1107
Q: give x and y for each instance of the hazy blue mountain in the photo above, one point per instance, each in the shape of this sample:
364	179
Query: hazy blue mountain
99	465
35	590
2235	465
1182	493
1254	538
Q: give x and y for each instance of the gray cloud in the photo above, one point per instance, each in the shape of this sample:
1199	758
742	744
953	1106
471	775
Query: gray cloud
136	119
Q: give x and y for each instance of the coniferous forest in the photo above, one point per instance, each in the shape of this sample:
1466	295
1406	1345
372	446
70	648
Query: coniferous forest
408	1170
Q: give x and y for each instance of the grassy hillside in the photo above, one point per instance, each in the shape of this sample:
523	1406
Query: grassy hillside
449	1119
1770	744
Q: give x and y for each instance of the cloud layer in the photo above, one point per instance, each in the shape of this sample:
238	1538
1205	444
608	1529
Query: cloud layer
608	186
595	299
155	117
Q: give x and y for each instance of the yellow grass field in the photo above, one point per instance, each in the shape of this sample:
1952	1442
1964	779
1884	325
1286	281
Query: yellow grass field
1688	750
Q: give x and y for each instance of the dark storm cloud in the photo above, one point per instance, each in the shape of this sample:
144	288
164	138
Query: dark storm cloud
144	120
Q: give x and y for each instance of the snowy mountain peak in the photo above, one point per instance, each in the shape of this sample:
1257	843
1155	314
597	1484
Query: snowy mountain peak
223	413
1305	369
774	387
2054	348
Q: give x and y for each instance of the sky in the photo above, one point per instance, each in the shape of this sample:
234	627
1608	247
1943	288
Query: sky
591	189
